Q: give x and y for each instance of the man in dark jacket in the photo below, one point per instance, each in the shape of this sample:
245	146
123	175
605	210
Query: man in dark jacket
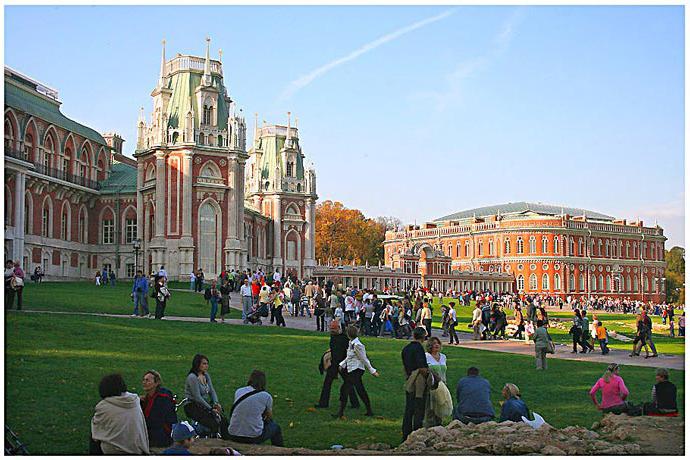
414	359
158	405
338	344
664	396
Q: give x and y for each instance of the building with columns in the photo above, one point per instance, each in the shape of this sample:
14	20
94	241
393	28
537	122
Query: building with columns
74	203
546	249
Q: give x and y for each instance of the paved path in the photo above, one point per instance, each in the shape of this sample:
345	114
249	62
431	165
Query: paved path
503	346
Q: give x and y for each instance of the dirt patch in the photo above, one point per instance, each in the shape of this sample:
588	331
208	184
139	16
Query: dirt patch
654	435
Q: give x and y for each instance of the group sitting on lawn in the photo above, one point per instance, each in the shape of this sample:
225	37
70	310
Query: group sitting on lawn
125	423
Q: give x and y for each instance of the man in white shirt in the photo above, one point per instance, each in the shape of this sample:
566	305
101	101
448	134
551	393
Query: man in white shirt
246	293
276	276
349	307
163	274
476	321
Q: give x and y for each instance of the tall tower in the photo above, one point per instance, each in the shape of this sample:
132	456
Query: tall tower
191	156
279	186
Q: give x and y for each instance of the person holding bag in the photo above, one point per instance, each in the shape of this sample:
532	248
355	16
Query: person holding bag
435	400
542	344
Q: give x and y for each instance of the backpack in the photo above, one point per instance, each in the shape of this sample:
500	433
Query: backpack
207	293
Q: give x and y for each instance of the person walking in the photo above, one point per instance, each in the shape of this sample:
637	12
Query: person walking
338	348
585	337
199	280
224	299
354	364
519	322
670	314
319	310
426	317
246	294
452	323
602	338
192	280
416	366
276	302
576	330
542	344
476	321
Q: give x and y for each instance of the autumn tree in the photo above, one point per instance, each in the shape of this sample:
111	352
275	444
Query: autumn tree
347	235
675	275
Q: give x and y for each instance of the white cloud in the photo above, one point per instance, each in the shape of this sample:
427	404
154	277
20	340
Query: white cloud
441	99
306	79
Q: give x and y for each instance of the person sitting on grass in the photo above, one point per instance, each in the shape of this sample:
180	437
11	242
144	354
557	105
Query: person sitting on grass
183	434
664	395
118	425
514	408
251	416
613	392
158	405
474	399
202	402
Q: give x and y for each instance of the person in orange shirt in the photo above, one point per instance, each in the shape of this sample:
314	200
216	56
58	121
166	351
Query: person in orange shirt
602	338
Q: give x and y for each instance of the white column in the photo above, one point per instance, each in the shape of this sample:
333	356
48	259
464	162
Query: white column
277	232
140	200
312	229
187	195
308	241
232	214
160	194
19	217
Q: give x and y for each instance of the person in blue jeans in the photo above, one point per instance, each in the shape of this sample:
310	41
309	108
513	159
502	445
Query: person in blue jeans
140	291
214	299
474	399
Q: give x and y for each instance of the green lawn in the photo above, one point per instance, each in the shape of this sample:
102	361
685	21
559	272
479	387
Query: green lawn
53	365
619	322
80	296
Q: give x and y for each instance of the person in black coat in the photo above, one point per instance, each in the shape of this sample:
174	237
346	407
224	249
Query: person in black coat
338	344
158	405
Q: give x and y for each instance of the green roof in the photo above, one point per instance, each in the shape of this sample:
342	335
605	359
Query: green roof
183	84
522	207
123	178
25	100
271	145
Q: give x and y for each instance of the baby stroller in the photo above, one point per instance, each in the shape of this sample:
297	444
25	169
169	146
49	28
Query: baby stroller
258	313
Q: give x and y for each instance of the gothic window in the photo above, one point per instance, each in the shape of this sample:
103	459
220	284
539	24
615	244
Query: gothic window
480	248
627	284
130	230
520	245
627	249
9	135
207	115
608	283
556	249
580	247
582	282
63	226
457	249
289	169
545	282
108	231
601	282
467	248
175	137
646	284
491	247
572	246
556	282
66	161
47	219
201	139
507	246
532	244
521	283
608	250
533	282
571	282
620	248
28	147
82	227
208	232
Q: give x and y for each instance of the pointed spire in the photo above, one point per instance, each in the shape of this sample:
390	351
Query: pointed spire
287	136
141	115
256	126
220	55
207	64
161	82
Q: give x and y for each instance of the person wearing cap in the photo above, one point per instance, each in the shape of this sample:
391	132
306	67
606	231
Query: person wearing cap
183	434
338	347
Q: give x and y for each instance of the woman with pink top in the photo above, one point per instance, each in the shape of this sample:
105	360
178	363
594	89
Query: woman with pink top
613	392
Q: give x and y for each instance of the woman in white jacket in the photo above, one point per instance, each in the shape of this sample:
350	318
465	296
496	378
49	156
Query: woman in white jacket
352	369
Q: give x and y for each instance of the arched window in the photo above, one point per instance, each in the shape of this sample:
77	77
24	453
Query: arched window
288	169
65	219
467	248
556	282
28	213
521	283
220	141
48	151
580	247
608	250
593	283
9	135
507	246
636	284
47	219
175	137
572	246
480	247
533	282
601	282
545	282
207	115
620	248
457	249
627	284
82	226
556	248
66	159
108	226
208	237
653	248
532	245
544	245
608	282
491	247
627	249
582	283
571	283
599	246
646	283
201	139
520	245
29	147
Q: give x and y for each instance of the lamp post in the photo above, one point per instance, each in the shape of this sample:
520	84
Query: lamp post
136	244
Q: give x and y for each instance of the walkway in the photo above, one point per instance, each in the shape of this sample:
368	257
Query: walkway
503	346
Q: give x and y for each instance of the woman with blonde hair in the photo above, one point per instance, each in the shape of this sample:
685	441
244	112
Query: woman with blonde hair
613	391
437	365
514	408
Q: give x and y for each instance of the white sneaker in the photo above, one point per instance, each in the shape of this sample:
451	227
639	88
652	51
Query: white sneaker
133	315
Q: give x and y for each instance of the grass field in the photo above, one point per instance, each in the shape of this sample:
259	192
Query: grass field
53	365
621	323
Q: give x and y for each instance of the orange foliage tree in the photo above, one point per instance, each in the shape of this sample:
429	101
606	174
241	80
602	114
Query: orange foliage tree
347	235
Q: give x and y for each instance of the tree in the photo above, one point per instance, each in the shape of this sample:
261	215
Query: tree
391	223
347	235
675	275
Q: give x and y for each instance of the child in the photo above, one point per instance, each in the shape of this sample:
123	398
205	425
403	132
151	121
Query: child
602	338
183	435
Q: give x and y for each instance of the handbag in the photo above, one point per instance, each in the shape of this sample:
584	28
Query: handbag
550	347
441	401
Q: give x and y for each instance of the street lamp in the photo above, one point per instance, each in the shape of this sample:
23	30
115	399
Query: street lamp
136	244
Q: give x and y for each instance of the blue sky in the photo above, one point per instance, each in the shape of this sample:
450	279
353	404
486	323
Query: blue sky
415	112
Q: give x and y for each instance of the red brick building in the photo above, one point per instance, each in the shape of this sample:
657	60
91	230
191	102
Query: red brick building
547	249
74	203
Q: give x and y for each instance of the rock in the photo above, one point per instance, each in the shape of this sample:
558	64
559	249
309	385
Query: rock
456	425
374	446
552	450
526	446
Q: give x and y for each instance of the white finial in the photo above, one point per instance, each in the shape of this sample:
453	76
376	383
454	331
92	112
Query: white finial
162	76
287	140
141	114
207	64
220	55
